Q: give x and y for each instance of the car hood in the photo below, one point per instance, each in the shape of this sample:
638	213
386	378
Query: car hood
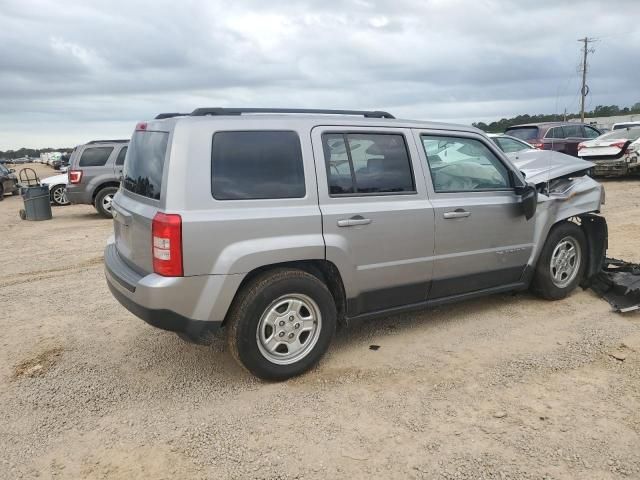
55	180
541	166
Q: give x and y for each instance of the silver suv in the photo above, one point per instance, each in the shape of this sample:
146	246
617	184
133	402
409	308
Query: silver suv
281	225
94	173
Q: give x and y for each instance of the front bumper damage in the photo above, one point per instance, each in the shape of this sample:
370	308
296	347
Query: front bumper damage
619	284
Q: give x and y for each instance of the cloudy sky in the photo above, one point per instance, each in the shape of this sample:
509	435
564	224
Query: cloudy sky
72	71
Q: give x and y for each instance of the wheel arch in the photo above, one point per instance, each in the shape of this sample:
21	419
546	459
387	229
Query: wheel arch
102	186
324	270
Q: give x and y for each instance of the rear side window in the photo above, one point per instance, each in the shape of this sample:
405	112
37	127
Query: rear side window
256	165
142	173
555	132
361	163
95	156
121	155
523	133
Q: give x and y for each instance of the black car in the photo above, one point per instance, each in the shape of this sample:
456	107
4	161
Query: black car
8	182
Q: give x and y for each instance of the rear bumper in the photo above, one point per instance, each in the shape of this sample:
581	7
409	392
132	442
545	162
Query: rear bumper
615	167
78	194
194	306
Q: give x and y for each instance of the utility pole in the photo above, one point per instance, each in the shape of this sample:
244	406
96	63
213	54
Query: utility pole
585	88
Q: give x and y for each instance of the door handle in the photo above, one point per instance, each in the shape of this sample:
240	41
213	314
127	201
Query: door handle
458	213
353	221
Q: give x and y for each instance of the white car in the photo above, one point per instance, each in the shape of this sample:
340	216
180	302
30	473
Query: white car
615	153
57	189
509	144
621	125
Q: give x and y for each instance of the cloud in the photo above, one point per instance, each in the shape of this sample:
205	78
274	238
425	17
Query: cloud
71	71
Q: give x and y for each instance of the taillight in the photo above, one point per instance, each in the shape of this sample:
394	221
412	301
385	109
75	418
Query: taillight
166	231
75	176
141	126
538	145
581	146
619	144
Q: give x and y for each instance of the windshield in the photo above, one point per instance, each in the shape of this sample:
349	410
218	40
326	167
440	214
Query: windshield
523	133
627	134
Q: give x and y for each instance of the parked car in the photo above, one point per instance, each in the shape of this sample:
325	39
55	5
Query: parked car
8	182
57	189
21	160
616	153
277	228
559	136
509	144
94	173
623	125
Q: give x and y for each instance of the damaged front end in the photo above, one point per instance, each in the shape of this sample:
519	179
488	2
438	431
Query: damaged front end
619	284
566	192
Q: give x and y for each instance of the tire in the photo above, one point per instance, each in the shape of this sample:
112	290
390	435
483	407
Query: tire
557	274
103	201
281	324
1	193
58	195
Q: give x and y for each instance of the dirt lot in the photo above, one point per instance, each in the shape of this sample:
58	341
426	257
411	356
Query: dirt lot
504	387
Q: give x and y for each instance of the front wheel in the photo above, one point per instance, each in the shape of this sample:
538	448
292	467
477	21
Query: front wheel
562	262
281	324
103	201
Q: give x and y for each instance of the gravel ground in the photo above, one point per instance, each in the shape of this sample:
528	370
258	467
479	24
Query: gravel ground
508	386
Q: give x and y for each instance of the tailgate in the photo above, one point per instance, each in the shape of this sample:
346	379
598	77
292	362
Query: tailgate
132	227
138	199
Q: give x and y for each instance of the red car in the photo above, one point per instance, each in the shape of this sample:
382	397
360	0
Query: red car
559	136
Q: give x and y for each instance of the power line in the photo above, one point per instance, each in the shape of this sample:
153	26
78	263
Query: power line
584	91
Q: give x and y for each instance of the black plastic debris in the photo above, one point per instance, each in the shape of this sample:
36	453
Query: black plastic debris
619	284
374	347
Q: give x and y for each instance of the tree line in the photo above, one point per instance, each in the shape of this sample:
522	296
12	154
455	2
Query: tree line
600	111
31	152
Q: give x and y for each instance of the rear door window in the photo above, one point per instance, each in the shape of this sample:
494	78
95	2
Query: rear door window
142	172
95	156
367	163
256	165
573	131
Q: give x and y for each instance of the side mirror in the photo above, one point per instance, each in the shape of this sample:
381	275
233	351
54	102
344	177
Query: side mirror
528	200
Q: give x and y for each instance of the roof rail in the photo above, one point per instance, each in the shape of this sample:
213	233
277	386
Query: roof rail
161	116
107	141
200	112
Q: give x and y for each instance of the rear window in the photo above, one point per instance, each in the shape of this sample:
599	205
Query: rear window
95	156
523	133
256	165
142	172
627	134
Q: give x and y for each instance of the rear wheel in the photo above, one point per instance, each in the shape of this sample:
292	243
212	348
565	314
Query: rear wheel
58	195
103	201
281	324
562	262
1	192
